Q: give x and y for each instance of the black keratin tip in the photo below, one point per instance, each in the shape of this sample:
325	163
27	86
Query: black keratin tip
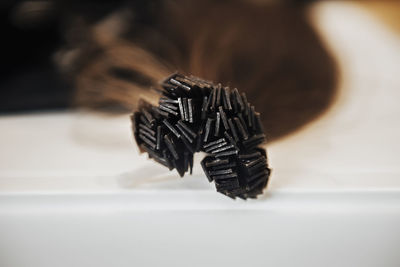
196	115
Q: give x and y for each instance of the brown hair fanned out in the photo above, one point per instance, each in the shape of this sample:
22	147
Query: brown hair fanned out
268	51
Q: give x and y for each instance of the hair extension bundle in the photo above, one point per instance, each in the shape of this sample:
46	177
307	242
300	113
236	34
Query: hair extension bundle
196	115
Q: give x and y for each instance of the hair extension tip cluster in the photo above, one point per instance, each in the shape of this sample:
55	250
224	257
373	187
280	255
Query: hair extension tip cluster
196	115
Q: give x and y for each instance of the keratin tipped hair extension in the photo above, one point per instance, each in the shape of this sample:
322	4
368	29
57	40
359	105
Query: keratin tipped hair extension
195	115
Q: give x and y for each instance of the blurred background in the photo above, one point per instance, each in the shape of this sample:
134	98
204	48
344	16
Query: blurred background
104	55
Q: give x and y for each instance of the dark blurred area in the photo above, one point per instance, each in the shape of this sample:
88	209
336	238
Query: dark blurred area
33	32
103	55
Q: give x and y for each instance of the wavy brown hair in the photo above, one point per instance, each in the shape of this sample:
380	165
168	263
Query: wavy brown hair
269	51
